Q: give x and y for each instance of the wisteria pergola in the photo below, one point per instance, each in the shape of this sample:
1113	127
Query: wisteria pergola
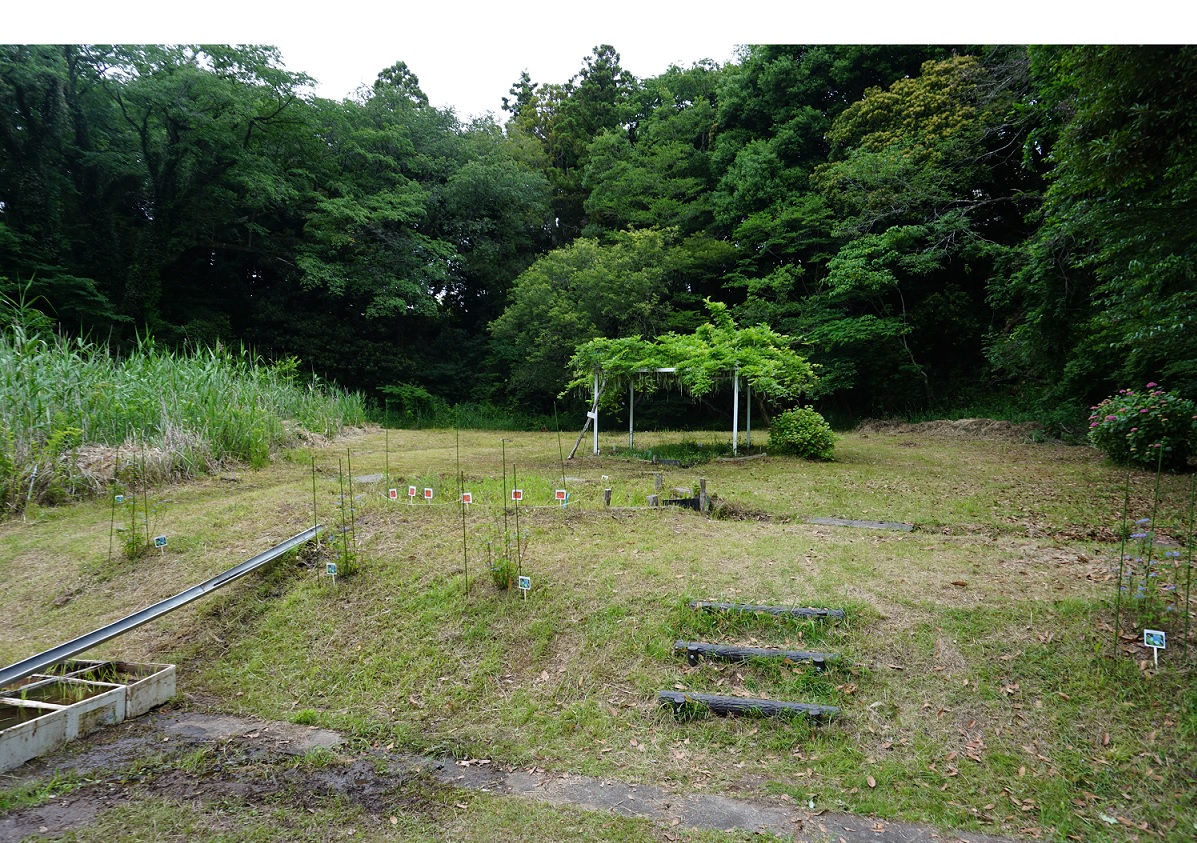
757	357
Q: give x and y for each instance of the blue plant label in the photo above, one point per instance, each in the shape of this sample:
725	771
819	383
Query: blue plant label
159	541
120	498
331	569
1156	639
525	583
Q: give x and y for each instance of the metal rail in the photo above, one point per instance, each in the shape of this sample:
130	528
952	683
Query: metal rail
41	661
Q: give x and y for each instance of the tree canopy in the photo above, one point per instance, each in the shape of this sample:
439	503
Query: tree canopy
945	226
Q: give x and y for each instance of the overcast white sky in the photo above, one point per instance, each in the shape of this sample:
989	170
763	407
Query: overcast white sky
468	54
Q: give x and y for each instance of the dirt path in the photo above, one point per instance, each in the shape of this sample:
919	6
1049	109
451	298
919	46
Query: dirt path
371	779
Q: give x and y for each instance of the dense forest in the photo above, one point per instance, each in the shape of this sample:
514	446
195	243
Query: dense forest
942	227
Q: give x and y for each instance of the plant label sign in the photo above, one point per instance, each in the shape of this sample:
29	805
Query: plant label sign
159	541
517	494
427	494
525	583
1157	640
411	491
467	497
562	495
331	569
393	494
119	498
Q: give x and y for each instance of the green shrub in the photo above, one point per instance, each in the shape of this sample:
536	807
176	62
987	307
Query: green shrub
1147	428
802	432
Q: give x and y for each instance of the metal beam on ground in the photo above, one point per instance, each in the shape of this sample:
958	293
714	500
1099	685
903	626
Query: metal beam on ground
38	663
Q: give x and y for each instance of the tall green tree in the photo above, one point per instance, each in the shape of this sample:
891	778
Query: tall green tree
929	218
1106	296
585	290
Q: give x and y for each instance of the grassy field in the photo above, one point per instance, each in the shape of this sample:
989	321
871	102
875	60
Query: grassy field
977	674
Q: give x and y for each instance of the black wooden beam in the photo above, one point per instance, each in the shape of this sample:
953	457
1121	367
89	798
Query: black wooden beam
772	610
734	653
679	700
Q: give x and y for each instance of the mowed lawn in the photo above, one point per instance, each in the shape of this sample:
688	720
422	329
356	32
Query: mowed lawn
976	672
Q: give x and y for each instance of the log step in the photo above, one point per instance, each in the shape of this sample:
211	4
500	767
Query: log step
772	610
734	653
738	705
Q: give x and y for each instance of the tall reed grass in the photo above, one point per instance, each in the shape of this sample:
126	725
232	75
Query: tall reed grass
71	411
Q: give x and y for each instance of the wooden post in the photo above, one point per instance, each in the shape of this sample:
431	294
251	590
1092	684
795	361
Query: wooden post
704	503
660	478
606	497
652	500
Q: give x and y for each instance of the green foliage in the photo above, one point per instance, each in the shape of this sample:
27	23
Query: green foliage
586	290
802	432
411	405
716	351
1108	278
1148	428
192	412
688	452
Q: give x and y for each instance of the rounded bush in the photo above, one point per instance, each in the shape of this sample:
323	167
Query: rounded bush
1148	428
802	432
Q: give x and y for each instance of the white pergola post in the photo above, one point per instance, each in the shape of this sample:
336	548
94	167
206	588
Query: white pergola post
631	411
748	413
736	412
594	412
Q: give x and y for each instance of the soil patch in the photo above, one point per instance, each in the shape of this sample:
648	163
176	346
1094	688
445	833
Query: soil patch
993	429
251	761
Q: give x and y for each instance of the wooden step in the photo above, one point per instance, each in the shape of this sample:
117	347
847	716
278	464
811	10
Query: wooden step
740	705
736	653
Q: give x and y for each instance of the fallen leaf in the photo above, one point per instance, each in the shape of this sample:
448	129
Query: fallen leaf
960	583
872	781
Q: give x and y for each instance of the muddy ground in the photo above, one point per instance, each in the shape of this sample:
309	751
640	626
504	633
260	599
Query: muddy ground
253	761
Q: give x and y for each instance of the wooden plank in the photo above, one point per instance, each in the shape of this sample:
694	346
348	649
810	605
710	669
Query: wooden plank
772	610
734	653
739	705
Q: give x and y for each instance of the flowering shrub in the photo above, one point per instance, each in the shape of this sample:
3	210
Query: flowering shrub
802	432
1148	428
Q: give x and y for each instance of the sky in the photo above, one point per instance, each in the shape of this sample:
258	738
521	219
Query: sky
467	55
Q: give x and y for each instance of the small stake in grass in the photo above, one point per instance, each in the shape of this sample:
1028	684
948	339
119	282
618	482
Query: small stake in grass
315	523
393	494
525	584
411	495
427	495
160	543
517	495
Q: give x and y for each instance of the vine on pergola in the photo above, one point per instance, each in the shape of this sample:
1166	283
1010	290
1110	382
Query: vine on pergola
717	350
